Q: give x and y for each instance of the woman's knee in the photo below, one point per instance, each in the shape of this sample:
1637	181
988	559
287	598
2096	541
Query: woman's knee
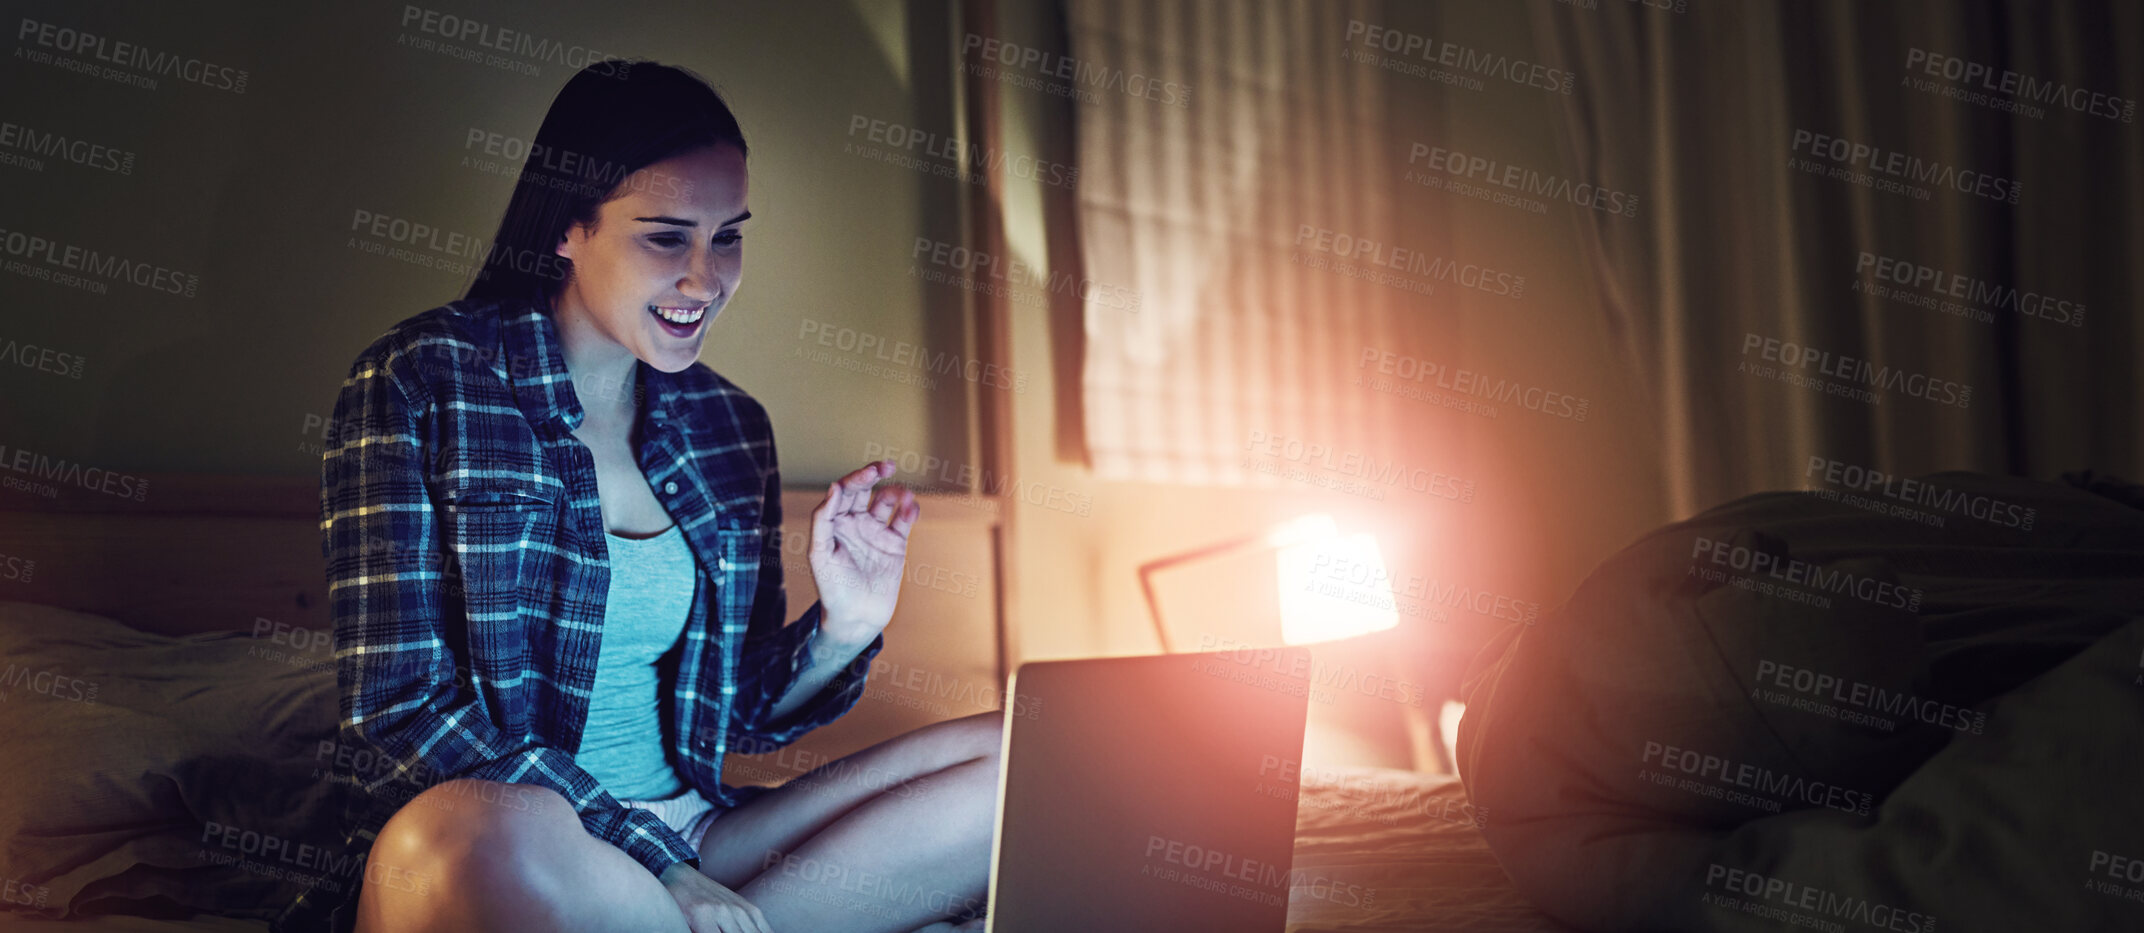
491	856
473	833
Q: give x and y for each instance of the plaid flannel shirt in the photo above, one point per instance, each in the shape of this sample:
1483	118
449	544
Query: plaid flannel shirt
467	570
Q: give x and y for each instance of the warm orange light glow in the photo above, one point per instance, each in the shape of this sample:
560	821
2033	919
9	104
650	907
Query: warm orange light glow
1331	586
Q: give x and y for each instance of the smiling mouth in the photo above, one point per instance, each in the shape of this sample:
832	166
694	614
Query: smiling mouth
681	316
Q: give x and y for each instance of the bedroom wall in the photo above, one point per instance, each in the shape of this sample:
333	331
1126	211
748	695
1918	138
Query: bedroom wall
261	199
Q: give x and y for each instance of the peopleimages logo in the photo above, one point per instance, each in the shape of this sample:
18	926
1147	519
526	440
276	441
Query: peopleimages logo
42	359
1850	695
52	145
1353	472
48	683
902	356
464	255
60	470
1721	772
1448	54
1850	154
495	153
451	28
1937	281
981	267
1850	371
1966	74
1921	493
130	55
1506	175
22	892
1772	894
413	233
949	157
1085	77
54	254
1479	385
281	857
1723	553
1372	252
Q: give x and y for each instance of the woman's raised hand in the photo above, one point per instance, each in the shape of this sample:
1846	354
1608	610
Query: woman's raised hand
859	544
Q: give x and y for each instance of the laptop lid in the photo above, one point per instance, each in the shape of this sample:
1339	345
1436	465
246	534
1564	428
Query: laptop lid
1149	793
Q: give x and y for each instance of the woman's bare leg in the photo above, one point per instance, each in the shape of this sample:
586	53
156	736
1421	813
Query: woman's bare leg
914	812
886	840
469	855
891	865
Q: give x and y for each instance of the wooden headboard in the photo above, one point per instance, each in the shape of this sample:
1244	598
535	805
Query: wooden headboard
215	552
198	553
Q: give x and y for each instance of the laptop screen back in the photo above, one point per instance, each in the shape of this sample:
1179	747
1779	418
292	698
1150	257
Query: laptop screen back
1150	793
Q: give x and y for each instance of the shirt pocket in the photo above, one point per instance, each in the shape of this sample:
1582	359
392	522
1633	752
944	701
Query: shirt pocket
502	539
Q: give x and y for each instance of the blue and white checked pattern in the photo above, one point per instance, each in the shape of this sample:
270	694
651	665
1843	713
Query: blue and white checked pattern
467	570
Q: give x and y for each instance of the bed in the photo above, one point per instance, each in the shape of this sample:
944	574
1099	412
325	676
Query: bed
1915	710
166	714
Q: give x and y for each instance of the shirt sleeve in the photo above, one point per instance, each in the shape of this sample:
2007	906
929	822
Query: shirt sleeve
774	653
400	695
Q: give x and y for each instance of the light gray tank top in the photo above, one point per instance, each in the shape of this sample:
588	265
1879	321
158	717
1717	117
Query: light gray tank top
644	614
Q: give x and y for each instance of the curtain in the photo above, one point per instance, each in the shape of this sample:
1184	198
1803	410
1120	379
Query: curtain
1848	205
1224	324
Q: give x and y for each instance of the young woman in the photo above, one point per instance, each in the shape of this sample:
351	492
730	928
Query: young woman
554	561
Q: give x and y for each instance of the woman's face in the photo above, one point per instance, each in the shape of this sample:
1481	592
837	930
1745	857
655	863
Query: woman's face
663	258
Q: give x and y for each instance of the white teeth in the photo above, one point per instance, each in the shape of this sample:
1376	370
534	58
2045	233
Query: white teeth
680	315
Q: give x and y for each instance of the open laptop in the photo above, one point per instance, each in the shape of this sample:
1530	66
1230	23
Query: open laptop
1149	793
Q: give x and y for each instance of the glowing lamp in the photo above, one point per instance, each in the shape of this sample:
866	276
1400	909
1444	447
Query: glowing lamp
1329	585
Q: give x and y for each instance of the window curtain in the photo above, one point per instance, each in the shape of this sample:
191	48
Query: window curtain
1761	246
1221	328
